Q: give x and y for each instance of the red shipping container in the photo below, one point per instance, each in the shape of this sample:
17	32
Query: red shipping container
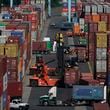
25	17
108	22
72	76
32	17
12	75
15	89
88	18
3	66
101	106
12	40
104	17
93	27
33	26
1	87
39	46
12	62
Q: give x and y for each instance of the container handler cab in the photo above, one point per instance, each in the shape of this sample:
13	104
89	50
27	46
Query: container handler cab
42	75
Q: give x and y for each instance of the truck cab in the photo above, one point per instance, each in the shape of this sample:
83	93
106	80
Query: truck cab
49	99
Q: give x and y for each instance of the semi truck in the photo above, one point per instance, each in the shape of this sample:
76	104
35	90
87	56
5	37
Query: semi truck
80	95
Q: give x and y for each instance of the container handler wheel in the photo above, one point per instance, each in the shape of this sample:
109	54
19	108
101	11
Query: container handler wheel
33	83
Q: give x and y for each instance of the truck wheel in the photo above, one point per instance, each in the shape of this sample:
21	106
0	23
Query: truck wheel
45	103
20	108
33	83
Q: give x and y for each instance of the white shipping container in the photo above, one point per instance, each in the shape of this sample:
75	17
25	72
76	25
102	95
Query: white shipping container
100	8
101	53
6	32
81	21
87	8
5	81
105	8
34	35
70	41
101	66
94	9
3	39
108	9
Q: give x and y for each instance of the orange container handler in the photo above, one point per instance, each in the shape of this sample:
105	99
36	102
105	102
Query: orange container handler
96	18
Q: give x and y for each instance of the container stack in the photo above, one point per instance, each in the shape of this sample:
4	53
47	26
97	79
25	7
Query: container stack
16	36
97	18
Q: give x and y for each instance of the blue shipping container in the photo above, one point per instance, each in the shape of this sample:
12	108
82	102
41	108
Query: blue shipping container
19	34
4	99
88	92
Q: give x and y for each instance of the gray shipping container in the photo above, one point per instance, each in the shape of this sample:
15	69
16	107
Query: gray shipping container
81	92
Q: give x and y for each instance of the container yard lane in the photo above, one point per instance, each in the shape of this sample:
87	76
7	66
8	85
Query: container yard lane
32	94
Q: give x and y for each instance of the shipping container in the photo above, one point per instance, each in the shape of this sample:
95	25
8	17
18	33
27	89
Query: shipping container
3	65
102	26
101	40
101	66
88	92
88	18
101	106
12	75
1	87
11	50
3	39
2	49
93	27
96	18
40	47
104	17
94	9
71	76
100	8
20	34
101	53
17	88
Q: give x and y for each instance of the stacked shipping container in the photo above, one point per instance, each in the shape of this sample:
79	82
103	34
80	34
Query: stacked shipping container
16	37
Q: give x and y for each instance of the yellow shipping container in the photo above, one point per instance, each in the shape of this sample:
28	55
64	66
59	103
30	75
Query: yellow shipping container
102	26
101	40
2	47
11	50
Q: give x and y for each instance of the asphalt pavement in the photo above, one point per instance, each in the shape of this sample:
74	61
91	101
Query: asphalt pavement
32	94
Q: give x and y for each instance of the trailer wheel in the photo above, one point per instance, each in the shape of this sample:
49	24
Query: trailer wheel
45	103
33	83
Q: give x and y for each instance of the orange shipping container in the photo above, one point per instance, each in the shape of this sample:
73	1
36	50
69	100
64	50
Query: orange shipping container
76	29
96	18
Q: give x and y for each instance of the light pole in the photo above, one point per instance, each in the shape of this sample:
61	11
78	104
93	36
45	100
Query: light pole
49	8
11	3
69	11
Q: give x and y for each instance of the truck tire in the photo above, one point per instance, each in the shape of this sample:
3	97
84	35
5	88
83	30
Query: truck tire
33	83
20	108
45	103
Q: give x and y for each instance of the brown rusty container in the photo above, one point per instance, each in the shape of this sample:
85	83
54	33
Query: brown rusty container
93	27
101	106
104	17
72	76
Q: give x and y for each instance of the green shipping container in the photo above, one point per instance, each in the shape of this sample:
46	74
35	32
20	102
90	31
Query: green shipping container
83	41
86	28
49	45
